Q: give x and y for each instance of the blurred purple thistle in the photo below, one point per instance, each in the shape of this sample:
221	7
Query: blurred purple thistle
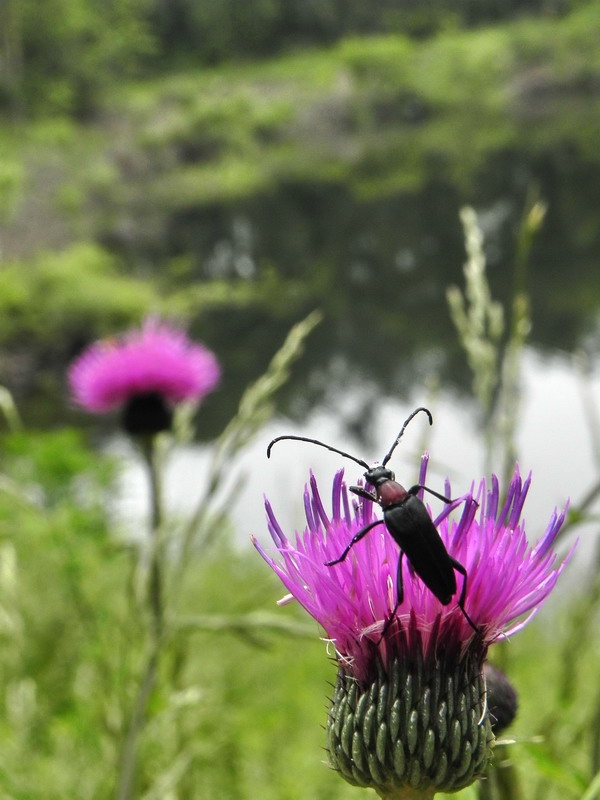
146	372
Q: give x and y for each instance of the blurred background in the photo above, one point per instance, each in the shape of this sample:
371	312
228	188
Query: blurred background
233	165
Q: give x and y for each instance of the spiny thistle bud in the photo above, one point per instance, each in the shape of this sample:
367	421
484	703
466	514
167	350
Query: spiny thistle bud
409	714
421	725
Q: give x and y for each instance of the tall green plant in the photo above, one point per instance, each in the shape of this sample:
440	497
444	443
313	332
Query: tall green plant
494	338
170	552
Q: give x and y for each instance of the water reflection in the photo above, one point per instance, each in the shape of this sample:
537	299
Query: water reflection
379	269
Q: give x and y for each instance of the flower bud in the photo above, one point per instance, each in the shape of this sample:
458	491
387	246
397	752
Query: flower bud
416	725
502	698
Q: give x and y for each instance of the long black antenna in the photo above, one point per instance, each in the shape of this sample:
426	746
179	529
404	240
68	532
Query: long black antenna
322	444
414	414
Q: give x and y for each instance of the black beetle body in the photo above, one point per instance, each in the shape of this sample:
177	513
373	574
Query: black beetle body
411	527
409	524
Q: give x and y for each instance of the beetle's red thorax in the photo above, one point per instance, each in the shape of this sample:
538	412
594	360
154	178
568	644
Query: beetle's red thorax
390	493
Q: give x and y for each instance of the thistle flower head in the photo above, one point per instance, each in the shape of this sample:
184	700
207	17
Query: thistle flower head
145	373
423	678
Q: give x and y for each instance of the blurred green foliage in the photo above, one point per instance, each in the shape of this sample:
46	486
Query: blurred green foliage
378	116
237	712
68	294
60	54
63	54
339	156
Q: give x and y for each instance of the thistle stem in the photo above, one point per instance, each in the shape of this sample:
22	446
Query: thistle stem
155	582
406	793
128	759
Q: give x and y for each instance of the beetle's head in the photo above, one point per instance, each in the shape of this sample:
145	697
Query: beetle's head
378	475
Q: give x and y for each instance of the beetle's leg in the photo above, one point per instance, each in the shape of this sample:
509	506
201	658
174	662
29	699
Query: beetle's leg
417	488
363	493
461	600
356	538
399	584
399	598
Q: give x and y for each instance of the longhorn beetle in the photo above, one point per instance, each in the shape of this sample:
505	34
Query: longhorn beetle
408	523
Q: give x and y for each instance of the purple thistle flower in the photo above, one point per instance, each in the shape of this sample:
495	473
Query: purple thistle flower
145	373
428	646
